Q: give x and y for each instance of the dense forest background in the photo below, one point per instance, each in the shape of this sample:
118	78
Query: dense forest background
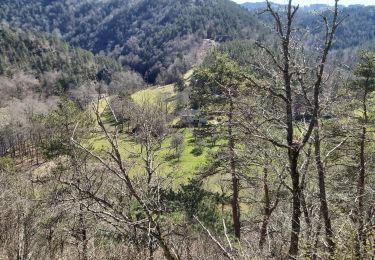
155	38
357	28
158	38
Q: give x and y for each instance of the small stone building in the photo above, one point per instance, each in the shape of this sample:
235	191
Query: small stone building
192	117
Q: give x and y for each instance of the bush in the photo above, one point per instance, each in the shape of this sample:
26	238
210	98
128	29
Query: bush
197	151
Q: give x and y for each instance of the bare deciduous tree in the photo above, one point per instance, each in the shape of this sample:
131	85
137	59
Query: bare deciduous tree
287	71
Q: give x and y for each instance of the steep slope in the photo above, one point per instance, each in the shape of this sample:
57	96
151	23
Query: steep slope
154	37
41	53
37	65
36	71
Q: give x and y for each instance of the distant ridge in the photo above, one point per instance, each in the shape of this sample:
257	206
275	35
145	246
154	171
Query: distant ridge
357	29
312	7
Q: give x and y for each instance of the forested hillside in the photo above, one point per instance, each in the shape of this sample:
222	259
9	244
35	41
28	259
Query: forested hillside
41	63
357	29
38	53
159	39
37	69
156	38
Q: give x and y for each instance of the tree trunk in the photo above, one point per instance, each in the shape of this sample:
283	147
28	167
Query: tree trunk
324	210
82	235
296	205
317	234
50	243
268	209
166	250
235	179
361	239
293	149
308	232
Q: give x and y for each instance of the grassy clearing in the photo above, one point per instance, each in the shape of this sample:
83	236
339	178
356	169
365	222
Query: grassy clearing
188	75
103	104
156	94
179	169
186	166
